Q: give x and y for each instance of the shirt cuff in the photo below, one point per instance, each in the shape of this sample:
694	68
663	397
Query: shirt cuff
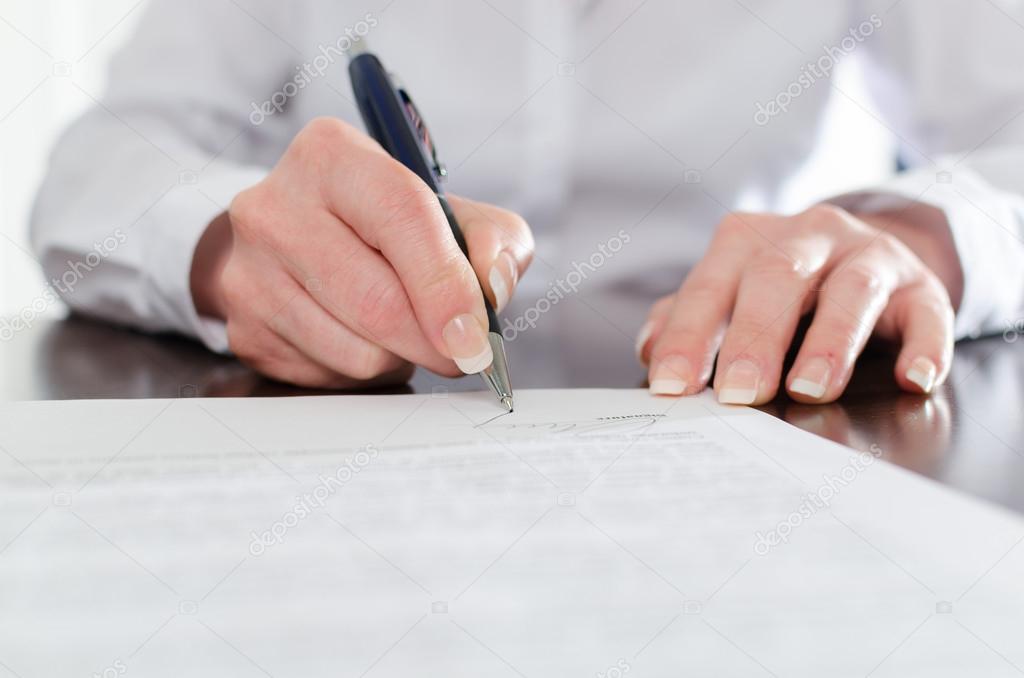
185	212
985	225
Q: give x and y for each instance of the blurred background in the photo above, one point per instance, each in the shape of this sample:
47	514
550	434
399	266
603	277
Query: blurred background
53	60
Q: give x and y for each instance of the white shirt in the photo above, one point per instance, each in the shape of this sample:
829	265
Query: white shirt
589	117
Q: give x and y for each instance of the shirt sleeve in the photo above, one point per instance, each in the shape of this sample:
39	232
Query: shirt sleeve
948	82
133	183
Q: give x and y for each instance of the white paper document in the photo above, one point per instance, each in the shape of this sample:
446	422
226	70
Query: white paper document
589	533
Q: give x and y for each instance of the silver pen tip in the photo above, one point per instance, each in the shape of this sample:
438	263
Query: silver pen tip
507	402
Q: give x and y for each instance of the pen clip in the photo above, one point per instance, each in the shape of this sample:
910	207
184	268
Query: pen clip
423	133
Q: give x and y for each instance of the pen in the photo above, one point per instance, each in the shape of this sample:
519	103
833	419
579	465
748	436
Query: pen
391	117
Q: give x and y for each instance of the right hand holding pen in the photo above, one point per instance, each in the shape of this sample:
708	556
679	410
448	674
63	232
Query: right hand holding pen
339	269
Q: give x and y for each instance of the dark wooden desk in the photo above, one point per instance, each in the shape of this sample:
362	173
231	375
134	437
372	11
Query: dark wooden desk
969	435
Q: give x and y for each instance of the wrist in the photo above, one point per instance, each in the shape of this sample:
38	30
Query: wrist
208	261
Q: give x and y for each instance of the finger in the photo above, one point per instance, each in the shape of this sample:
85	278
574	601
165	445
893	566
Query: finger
347	277
295	368
923	315
655	322
307	326
683	346
774	291
263	350
849	306
500	246
393	211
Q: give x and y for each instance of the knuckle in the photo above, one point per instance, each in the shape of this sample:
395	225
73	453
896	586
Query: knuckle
320	142
775	264
709	273
369	362
232	284
661	306
324	132
704	296
862	279
735	224
825	213
260	351
299	374
380	309
888	245
451	281
702	285
280	368
241	343
407	207
248	211
231	275
842	336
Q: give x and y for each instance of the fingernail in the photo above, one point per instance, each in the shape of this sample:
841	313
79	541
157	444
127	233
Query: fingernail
923	372
671	376
641	339
812	380
740	384
503	278
467	342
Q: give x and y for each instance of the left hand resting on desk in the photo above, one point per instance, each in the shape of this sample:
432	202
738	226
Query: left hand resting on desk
890	274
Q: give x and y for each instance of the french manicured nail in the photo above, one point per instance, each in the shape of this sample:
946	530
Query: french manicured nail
641	339
503	278
923	373
467	342
740	384
671	376
812	380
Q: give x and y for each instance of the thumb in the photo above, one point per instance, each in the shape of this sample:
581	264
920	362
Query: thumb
500	246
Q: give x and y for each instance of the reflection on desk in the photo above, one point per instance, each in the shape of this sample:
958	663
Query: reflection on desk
969	435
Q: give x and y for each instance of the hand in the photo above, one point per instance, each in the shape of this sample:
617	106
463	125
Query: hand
762	272
339	269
